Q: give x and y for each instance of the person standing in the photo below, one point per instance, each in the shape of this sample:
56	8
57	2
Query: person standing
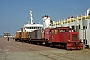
8	38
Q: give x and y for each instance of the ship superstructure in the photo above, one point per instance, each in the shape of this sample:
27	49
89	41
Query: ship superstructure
29	27
80	23
47	22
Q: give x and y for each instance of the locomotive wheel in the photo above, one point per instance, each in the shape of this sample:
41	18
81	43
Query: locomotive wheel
40	43
47	44
15	39
52	45
64	46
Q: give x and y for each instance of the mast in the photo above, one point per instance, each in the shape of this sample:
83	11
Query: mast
31	17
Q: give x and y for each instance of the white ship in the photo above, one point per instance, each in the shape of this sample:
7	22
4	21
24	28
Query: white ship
32	26
80	23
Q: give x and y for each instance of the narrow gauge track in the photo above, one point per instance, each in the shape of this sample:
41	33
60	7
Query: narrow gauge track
50	55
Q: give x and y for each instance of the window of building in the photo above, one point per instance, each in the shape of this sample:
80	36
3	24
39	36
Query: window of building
73	27
79	26
34	27
31	27
84	27
85	41
27	27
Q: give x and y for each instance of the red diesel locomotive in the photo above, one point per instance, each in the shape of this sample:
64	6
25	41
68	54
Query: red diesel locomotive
63	36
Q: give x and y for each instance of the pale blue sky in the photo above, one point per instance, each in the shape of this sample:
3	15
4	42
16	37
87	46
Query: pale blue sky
14	13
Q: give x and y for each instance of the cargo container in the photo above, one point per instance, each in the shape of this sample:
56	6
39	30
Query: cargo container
26	36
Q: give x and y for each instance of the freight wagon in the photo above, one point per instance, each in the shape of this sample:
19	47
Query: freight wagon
64	37
36	36
26	36
18	35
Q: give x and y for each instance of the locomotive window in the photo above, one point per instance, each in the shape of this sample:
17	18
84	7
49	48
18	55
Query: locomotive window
56	31
74	37
52	32
63	30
